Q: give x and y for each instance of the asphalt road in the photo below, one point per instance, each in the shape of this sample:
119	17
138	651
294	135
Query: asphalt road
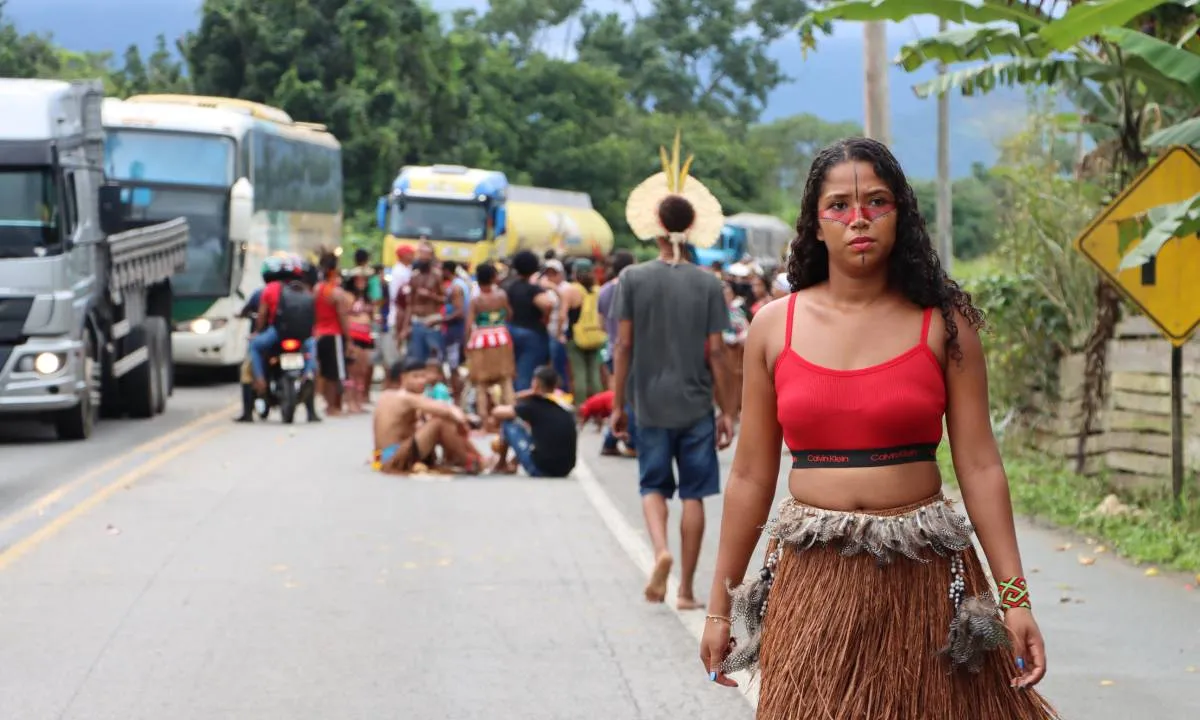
265	572
33	462
192	568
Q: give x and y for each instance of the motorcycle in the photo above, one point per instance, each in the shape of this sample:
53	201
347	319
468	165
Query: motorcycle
287	388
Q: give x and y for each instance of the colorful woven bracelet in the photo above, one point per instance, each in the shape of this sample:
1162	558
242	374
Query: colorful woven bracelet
1014	593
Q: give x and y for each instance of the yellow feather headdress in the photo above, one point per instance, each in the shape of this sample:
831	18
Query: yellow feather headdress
641	210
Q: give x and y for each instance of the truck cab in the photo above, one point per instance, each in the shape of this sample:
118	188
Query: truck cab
730	248
70	286
461	210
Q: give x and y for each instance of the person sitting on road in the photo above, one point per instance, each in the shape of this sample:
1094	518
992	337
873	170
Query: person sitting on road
403	442
539	429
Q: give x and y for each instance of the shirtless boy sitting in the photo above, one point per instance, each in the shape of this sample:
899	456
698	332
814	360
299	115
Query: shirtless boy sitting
410	427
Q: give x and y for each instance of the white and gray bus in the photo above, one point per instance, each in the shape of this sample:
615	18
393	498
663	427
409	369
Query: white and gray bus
251	181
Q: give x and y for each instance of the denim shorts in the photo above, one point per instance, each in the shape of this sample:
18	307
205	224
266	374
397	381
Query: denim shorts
693	449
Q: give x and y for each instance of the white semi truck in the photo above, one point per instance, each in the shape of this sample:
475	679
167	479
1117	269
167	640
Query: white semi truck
85	293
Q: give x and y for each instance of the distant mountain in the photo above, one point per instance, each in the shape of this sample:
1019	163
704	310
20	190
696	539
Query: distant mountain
827	84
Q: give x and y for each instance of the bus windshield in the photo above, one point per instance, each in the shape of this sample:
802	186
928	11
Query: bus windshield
462	220
177	158
209	264
29	216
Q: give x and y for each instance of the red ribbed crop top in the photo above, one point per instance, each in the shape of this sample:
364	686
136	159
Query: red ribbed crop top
897	403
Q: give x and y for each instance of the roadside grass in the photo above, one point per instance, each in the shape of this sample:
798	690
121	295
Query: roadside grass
1153	534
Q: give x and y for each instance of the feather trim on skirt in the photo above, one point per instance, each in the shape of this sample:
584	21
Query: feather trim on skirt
873	615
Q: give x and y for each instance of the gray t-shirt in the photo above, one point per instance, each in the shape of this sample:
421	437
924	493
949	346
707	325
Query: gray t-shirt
604	306
674	308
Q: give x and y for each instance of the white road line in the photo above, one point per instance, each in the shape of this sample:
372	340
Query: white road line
642	555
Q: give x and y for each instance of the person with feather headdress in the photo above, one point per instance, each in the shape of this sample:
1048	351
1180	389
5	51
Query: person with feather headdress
670	316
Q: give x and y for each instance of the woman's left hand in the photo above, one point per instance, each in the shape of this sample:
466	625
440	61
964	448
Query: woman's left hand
1028	646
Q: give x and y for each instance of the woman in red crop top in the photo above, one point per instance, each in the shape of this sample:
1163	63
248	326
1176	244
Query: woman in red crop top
871	602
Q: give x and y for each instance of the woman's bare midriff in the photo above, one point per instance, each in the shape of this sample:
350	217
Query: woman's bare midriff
869	488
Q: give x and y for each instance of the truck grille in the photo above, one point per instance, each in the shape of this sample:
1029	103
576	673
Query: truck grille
13	313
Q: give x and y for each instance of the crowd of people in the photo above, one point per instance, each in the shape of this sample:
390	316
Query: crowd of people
871	599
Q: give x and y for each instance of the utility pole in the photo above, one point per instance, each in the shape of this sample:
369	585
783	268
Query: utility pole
945	211
875	86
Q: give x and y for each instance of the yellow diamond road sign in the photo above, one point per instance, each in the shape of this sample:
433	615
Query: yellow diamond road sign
1167	289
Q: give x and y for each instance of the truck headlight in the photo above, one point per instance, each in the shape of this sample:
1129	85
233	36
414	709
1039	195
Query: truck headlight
47	363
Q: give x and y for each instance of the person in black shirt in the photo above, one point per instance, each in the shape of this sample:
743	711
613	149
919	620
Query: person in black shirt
531	305
539	430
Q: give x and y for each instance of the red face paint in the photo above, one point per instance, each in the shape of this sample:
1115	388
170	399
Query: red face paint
847	213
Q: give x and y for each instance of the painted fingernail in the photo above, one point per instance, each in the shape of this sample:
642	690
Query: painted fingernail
713	676
1020	663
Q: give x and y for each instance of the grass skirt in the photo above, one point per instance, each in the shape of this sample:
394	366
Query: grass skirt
489	353
877	615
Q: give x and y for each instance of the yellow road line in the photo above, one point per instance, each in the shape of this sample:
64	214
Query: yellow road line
38	506
49	530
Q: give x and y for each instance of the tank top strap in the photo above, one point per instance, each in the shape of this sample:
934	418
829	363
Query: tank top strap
926	321
787	342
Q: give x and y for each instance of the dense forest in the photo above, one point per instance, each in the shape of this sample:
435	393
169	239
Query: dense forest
399	84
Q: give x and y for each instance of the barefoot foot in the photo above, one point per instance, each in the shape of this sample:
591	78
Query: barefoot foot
689	603
656	589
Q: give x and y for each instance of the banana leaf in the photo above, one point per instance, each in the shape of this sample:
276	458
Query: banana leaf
1173	62
954	11
1088	19
982	79
1183	133
1157	226
980	42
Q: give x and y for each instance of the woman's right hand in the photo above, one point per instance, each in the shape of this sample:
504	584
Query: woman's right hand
715	645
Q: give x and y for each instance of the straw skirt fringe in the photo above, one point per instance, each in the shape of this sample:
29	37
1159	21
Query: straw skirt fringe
849	638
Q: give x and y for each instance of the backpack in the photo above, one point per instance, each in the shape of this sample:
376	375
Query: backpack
296	315
588	332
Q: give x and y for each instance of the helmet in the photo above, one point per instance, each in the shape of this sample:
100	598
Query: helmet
272	268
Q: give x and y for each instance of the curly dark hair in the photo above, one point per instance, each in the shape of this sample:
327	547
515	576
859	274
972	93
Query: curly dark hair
913	267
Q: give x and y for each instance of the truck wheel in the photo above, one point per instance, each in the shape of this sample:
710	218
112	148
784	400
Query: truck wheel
168	356
141	386
78	422
111	403
158	336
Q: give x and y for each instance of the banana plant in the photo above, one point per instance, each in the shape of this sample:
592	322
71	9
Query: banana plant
1134	92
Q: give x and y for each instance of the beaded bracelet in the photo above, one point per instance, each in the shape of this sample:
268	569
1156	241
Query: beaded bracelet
1014	593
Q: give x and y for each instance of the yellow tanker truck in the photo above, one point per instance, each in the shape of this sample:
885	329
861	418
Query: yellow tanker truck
473	215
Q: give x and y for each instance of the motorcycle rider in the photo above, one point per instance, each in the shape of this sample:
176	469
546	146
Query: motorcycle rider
285	308
272	271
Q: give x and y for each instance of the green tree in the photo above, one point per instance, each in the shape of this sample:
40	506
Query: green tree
788	146
974	216
378	73
685	56
132	78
